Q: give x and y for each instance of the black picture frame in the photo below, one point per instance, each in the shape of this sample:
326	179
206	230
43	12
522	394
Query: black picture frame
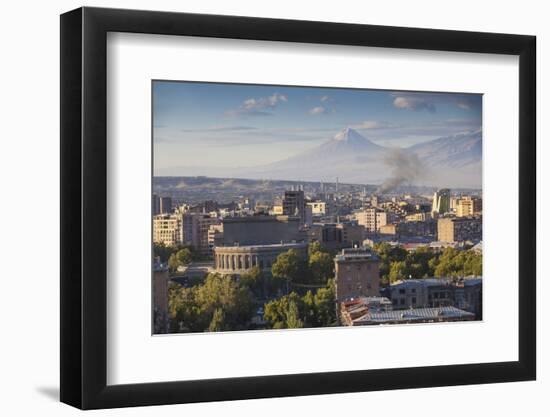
84	207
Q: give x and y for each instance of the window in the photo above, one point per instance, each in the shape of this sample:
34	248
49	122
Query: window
402	301
402	291
413	301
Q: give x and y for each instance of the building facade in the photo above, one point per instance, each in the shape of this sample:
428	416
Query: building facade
459	229
336	236
464	293
372	219
294	204
357	274
261	230
468	206
239	259
168	229
195	230
441	203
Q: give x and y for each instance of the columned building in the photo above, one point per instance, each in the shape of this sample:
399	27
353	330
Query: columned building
239	259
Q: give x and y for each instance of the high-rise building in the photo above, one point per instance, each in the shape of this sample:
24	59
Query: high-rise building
459	229
165	205
468	206
155	205
336	236
294	204
441	201
195	230
167	229
357	274
372	219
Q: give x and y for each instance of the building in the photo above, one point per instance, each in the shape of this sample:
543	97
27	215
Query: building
277	210
261	230
464	293
468	296
441	203
357	274
419	217
459	229
238	259
294	204
155	205
415	315
318	208
161	205
160	297
337	236
372	219
168	229
415	293
195	230
165	205
468	207
351	310
409	229
215	235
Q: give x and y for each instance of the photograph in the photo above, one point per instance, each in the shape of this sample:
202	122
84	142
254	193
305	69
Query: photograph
290	207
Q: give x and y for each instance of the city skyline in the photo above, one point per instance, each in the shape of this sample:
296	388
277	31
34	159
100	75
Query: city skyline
237	125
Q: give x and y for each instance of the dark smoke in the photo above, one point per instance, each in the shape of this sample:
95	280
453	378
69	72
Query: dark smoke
405	168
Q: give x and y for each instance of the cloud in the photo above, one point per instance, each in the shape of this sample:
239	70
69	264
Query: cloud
324	98
221	129
430	101
373	124
318	110
413	103
262	106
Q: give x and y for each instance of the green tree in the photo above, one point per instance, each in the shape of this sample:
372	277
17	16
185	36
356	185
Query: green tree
277	312
458	263
398	271
217	324
388	254
163	252
293	311
182	257
254	280
293	320
219	303
321	266
289	267
325	305
314	247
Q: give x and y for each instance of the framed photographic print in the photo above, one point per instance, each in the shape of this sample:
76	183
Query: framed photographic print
258	208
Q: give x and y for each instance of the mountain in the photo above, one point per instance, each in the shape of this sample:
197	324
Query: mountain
455	161
348	155
456	151
451	161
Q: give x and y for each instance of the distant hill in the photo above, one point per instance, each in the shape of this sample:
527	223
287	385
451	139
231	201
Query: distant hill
453	161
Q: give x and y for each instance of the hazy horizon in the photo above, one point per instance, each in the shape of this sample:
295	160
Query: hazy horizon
235	125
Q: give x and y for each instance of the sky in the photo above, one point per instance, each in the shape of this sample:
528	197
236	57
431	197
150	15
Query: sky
199	124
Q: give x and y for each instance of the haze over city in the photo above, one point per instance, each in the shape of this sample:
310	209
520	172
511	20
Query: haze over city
286	207
316	134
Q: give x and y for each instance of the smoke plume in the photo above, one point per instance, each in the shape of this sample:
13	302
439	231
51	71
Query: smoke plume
405	168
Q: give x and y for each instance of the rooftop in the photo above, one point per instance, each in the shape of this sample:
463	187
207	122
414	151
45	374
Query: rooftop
414	315
353	254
